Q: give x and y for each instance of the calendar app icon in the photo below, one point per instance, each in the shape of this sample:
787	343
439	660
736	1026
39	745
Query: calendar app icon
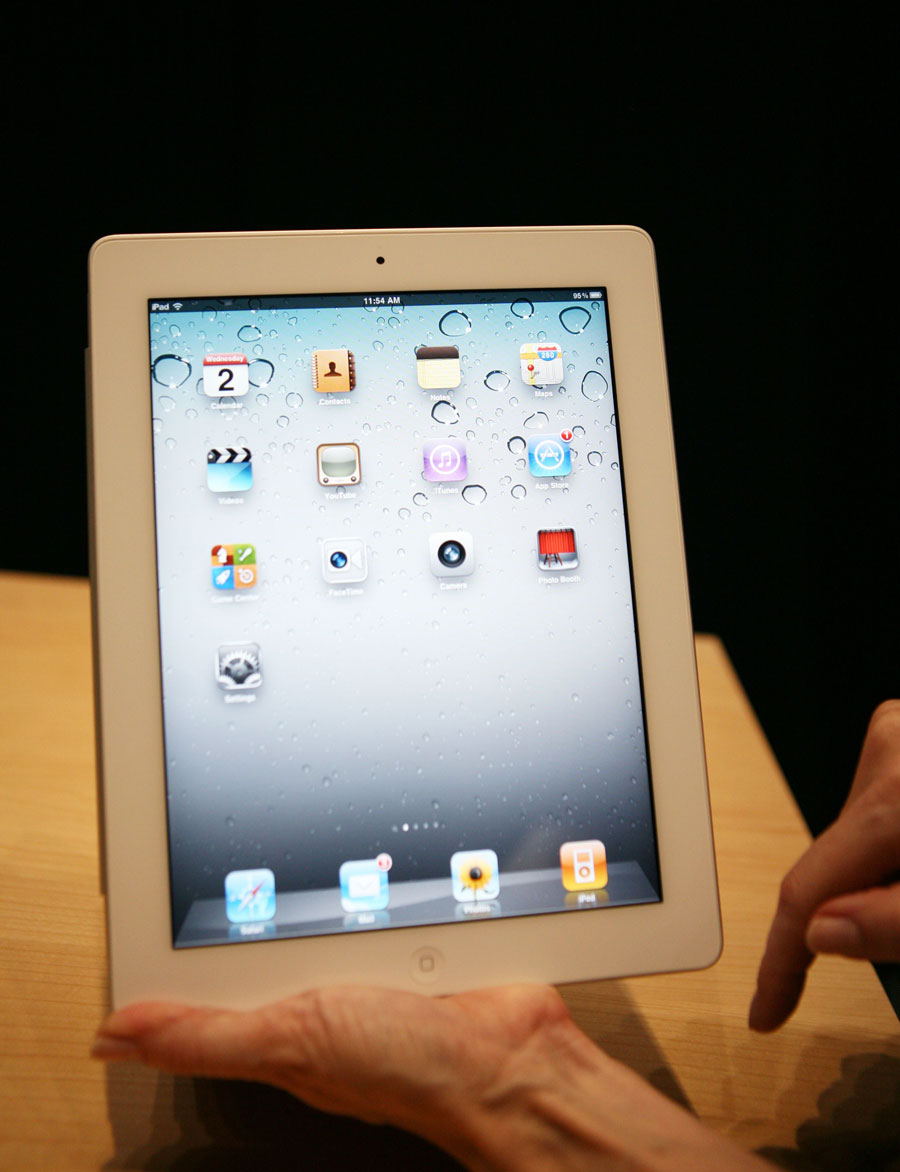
226	375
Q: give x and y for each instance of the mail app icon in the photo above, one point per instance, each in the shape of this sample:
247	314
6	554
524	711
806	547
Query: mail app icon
364	886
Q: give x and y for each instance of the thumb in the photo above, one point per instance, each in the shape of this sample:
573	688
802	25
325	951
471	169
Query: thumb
206	1042
865	924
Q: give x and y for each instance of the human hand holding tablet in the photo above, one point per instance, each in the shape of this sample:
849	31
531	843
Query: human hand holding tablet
408	695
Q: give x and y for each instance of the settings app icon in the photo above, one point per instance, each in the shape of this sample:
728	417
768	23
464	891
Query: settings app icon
237	666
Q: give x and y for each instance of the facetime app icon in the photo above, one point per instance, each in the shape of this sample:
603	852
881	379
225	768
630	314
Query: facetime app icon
583	865
338	464
437	368
333	370
344	560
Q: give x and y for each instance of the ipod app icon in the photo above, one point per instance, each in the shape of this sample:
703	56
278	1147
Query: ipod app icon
583	865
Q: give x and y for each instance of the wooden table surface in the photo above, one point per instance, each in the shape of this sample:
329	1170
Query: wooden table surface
824	1092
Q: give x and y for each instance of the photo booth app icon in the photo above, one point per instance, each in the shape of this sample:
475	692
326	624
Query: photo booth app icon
338	464
556	549
583	865
229	469
333	370
437	368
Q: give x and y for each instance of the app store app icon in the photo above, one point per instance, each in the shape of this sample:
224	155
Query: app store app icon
550	455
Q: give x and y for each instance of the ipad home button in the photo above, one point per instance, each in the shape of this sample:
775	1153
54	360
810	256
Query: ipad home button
426	965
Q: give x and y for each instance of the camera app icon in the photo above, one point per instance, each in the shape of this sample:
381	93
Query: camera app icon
451	555
344	560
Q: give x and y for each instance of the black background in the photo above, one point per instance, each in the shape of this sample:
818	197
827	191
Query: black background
756	157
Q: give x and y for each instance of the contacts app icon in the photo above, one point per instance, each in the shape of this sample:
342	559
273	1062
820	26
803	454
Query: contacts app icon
333	370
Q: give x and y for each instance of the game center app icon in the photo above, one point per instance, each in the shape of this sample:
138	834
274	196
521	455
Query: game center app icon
475	875
583	865
229	469
541	363
333	370
225	375
550	455
250	896
234	567
445	459
237	667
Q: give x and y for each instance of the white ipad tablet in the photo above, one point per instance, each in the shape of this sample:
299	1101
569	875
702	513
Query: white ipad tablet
394	656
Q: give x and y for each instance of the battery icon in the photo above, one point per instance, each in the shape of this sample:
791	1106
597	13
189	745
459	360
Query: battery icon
595	296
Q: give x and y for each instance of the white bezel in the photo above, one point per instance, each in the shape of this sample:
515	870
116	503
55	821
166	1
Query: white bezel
683	930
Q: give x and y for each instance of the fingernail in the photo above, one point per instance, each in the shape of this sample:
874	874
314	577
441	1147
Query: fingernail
113	1049
834	934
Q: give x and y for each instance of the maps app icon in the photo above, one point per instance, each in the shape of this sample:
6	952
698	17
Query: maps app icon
541	363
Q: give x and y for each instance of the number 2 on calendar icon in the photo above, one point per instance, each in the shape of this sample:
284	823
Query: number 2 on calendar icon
226	375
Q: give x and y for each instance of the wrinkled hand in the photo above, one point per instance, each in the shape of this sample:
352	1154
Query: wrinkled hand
842	896
379	1055
502	1079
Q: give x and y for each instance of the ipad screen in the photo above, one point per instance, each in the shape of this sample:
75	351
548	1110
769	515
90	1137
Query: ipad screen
400	671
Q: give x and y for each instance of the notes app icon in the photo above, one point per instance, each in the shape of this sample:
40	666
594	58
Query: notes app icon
444	459
437	368
333	370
